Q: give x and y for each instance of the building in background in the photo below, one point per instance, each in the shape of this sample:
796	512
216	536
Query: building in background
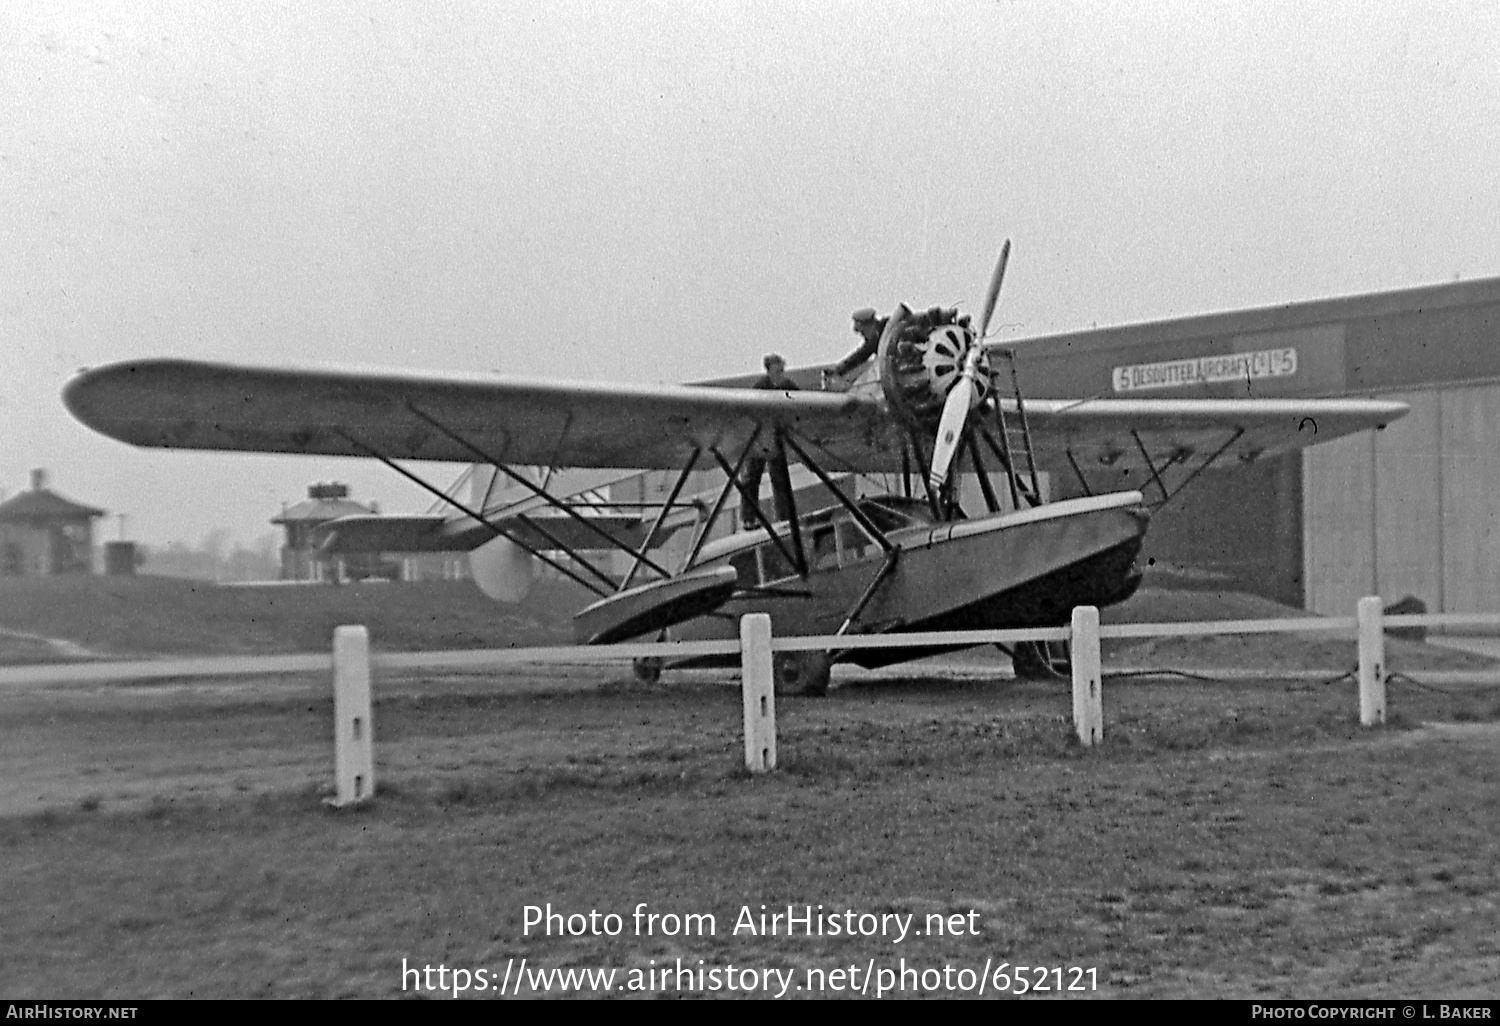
43	534
303	560
300	558
1413	509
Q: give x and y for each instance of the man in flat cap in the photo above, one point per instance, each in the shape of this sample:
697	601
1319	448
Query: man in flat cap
775	378
869	328
775	375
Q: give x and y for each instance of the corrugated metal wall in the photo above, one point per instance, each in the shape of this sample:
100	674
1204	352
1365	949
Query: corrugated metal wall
1338	527
1470	465
1408	503
1411	510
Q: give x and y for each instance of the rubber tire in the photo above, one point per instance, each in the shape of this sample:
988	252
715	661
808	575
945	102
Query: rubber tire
802	673
647	669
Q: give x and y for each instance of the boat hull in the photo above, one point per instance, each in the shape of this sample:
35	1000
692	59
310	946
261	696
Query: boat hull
1006	571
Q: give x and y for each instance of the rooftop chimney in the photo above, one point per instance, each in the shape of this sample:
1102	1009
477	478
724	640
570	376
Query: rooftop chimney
331	490
38	479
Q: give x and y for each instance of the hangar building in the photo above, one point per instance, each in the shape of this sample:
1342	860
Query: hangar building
1410	510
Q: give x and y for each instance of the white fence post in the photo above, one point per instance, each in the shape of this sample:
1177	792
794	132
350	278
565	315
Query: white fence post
1088	704
353	728
758	686
1371	661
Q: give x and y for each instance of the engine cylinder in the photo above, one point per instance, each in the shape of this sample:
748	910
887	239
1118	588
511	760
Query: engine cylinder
922	363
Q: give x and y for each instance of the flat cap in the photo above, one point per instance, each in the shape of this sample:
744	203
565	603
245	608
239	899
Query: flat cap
864	313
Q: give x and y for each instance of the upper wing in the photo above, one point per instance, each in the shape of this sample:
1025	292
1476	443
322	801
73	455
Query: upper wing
190	405
1105	440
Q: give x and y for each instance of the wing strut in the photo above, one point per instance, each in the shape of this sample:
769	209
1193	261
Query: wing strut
932	499
784	481
892	552
1079	471
540	493
609	582
1003	453
499	532
661	517
838	493
869	593
753	501
718	506
1200	468
1155	474
990	501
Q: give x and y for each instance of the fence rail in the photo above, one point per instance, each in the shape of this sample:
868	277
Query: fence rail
319	662
351	663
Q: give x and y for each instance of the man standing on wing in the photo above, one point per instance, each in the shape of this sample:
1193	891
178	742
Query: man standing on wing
755	464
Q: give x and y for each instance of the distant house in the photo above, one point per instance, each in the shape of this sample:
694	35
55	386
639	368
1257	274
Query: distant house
300	558
44	534
303	560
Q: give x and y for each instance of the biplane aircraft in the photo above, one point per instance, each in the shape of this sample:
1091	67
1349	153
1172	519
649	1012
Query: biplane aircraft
934	405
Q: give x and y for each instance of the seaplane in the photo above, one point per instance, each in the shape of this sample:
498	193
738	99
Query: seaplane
932	404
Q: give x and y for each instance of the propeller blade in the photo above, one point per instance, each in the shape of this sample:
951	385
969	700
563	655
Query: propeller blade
950	429
994	293
955	414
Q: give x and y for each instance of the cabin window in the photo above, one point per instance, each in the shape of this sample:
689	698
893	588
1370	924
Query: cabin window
825	553
744	567
854	544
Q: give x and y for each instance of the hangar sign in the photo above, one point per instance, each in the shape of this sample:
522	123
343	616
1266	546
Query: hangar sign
1207	370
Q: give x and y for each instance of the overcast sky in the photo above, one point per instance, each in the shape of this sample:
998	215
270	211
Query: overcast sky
664	192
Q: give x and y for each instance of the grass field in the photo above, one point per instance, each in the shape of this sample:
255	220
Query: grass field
1241	838
1228	840
142	616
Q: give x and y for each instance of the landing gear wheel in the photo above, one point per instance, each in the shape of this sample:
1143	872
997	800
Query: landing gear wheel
647	669
1042	660
802	673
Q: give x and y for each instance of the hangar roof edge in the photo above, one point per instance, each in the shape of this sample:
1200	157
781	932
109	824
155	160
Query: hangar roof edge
1477	292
